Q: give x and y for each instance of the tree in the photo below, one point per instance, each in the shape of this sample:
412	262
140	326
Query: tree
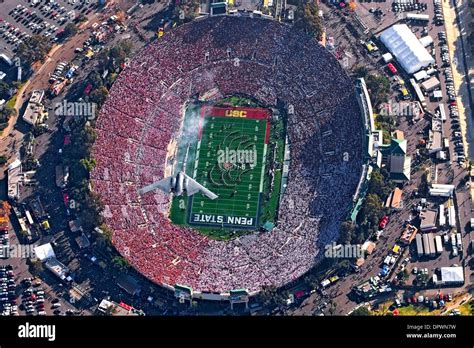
3	160
6	113
186	11
379	185
379	88
4	88
307	18
424	187
332	307
99	95
81	18
347	230
270	297
69	30
373	209
345	266
360	71
36	266
403	276
33	49
361	311
120	263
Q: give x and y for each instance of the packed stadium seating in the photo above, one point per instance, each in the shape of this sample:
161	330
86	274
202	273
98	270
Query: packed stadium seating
265	59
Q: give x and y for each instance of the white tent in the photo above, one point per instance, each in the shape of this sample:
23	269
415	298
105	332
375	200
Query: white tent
452	275
406	48
44	252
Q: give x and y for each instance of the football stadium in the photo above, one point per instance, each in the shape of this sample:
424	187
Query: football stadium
258	113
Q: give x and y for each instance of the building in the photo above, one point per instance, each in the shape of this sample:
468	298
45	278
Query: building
441	190
435	136
451	276
406	48
6	59
431	84
75	225
57	268
419	245
62	175
408	234
394	200
417	17
44	252
428	220
34	111
129	284
368	247
399	162
16	178
82	241
109	307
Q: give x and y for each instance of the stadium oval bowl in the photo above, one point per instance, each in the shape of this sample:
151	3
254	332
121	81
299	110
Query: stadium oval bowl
143	115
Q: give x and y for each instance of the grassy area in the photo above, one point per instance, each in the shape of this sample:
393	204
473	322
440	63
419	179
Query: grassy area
466	309
410	310
177	212
237	101
417	310
276	141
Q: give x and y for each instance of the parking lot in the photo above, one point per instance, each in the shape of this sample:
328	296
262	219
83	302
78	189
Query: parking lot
19	21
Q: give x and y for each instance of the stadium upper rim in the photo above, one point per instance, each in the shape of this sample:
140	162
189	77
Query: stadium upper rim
277	65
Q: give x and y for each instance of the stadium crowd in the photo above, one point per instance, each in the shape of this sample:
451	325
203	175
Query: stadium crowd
144	113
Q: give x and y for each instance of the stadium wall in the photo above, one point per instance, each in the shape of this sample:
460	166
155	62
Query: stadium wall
363	98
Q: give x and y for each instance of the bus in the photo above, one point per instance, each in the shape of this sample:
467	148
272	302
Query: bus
442	112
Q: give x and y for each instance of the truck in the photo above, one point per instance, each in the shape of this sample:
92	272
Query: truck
453	240
426	245
442	112
439	244
442	217
419	245
62	175
432	244
459	240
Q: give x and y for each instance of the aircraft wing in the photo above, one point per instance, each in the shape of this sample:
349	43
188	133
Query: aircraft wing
195	187
164	185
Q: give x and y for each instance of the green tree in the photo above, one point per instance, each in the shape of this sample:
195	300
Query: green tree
70	29
120	263
33	49
379	88
6	113
36	266
373	209
271	297
99	95
4	88
307	18
360	71
347	230
379	185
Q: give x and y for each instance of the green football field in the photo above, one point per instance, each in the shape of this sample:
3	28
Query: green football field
229	161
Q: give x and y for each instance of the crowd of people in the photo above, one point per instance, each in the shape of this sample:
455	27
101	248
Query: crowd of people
272	62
